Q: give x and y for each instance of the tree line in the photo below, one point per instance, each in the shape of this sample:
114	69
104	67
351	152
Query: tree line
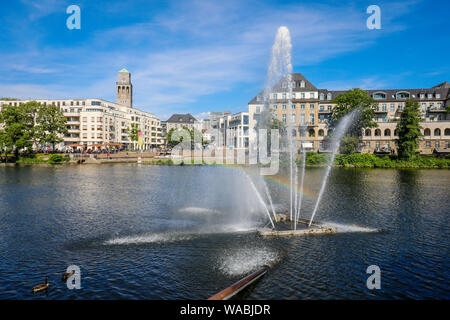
29	125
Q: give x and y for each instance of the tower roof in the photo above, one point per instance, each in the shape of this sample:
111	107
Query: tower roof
124	70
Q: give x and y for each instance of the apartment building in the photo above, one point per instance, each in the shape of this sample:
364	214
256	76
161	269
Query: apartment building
97	123
312	109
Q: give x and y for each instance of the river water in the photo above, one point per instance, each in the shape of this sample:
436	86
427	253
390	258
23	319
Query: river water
171	232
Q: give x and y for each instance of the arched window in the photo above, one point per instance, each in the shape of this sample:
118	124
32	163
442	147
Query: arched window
396	132
312	133
322	96
321	133
427	132
447	132
128	89
330	132
294	132
302	84
402	95
387	133
329	96
437	132
377	133
368	132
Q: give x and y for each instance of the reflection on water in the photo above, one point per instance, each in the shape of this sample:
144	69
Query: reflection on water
157	232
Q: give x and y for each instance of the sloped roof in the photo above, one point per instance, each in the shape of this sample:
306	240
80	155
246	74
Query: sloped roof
181	118
124	70
443	89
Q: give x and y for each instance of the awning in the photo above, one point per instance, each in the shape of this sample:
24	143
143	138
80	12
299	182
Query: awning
74	145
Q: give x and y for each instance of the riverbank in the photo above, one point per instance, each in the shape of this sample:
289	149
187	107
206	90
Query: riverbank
312	160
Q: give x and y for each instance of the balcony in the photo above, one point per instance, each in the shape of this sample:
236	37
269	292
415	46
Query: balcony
325	111
437	109
381	111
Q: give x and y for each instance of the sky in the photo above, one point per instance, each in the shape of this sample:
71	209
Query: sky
199	56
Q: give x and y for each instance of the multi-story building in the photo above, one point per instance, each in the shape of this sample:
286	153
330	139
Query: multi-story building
238	130
178	121
312	109
95	123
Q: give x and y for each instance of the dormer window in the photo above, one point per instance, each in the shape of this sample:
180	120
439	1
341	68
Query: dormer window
329	96
402	95
302	84
438	95
322	96
422	96
379	95
430	96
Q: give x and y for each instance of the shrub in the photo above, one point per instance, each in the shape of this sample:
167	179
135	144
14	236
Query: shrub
56	158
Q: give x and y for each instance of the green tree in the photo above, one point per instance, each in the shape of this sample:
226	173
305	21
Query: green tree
409	130
50	124
134	133
18	127
349	145
351	100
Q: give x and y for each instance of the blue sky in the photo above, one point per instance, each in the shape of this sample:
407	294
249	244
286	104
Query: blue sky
200	56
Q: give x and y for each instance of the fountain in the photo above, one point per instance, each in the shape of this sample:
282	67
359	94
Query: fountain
280	67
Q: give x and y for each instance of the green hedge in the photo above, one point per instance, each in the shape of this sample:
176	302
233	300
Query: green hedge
365	160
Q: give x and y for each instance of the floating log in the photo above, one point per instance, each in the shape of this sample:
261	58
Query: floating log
232	290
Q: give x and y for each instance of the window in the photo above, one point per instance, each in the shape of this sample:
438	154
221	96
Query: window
383	107
293	95
311	118
402	95
293	118
321	108
392	107
275	107
387	133
302	106
293	106
311	106
302	84
329	96
379	95
284	107
284	117
322	96
303	95
428	144
438	95
258	109
302	118
368	133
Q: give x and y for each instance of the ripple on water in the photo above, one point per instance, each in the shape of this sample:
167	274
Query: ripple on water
243	261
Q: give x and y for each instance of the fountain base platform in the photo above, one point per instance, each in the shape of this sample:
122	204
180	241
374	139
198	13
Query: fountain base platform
285	228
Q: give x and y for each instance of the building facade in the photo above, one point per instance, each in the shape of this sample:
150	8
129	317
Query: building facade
178	121
97	123
312	109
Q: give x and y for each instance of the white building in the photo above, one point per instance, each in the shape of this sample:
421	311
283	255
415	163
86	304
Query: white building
97	123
